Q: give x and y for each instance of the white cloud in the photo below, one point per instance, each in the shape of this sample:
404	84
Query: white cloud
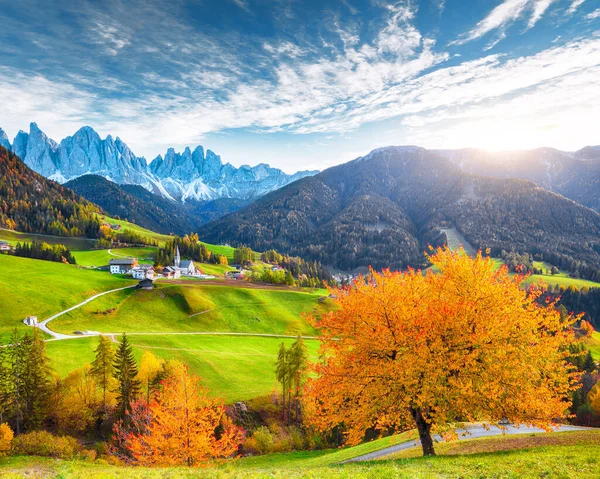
539	8
112	38
503	15
594	14
358	84
575	5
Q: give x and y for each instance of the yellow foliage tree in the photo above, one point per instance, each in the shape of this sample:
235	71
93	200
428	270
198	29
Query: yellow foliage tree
182	426
426	350
77	401
149	372
594	398
6	437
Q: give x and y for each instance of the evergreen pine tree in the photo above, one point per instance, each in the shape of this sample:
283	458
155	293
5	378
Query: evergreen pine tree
103	368
282	373
298	361
35	380
125	372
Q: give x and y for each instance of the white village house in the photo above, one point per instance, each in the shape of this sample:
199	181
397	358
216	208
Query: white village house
4	245
31	321
143	271
122	265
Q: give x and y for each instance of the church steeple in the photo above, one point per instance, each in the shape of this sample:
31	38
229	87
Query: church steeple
177	257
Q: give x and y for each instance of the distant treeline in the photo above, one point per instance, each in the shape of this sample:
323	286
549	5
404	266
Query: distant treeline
49	252
109	238
310	272
189	248
584	300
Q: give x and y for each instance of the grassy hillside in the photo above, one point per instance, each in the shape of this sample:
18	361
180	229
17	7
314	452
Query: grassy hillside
573	457
41	288
181	308
14	237
234	368
101	257
126	225
593	344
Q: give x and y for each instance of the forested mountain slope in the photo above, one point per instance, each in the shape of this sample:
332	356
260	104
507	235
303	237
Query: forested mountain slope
31	203
136	204
385	208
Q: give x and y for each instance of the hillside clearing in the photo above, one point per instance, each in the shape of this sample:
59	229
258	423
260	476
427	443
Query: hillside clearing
172	307
43	288
232	367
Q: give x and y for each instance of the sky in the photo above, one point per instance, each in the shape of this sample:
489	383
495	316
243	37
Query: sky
303	84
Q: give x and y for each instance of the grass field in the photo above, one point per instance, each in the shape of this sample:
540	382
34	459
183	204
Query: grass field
575	457
561	278
234	368
41	288
593	344
14	237
101	257
181	308
126	225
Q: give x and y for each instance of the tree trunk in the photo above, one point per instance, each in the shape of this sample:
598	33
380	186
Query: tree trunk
424	429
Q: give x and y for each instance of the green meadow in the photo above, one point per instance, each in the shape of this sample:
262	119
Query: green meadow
101	257
42	288
593	344
171	307
126	225
555	455
14	237
232	367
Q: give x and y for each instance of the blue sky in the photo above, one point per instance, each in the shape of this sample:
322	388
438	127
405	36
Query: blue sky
304	84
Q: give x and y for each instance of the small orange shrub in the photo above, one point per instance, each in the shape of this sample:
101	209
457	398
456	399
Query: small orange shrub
6	437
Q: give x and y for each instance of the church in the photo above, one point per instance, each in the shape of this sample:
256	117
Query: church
184	267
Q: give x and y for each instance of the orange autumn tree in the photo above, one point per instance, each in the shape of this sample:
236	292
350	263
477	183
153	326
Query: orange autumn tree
426	350
183	425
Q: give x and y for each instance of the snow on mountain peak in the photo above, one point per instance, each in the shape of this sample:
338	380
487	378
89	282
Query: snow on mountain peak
190	175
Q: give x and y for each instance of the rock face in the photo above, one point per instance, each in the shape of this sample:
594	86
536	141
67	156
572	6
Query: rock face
182	176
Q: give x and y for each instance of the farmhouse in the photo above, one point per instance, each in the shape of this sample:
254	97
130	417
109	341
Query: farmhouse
146	283
143	271
4	245
31	321
122	266
171	272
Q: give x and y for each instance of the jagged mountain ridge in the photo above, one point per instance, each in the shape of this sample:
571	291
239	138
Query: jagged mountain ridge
383	210
181	176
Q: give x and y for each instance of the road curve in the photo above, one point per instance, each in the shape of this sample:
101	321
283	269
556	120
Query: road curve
472	433
44	324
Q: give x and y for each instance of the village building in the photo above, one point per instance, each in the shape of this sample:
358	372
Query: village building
143	271
31	321
171	272
186	267
146	283
122	265
5	246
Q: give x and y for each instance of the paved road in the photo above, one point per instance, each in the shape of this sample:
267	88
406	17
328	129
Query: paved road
474	432
43	325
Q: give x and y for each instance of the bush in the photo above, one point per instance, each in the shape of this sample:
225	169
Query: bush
297	438
263	440
42	443
6	437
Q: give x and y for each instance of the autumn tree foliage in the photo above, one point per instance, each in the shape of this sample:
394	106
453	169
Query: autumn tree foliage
426	350
182	426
